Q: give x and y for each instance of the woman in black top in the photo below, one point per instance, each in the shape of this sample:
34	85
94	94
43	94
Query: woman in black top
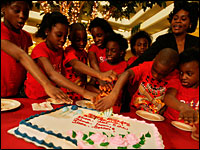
183	20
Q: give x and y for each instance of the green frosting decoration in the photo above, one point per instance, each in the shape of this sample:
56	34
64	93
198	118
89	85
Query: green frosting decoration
73	134
105	134
121	147
142	142
112	135
90	133
90	141
148	135
137	145
122	135
142	138
104	144
84	137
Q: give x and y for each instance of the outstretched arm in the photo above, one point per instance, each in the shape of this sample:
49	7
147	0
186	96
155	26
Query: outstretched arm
83	68
60	80
20	55
187	113
110	100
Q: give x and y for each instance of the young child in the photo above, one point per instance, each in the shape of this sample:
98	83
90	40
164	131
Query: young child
75	61
49	54
14	48
100	29
153	76
182	98
140	42
116	47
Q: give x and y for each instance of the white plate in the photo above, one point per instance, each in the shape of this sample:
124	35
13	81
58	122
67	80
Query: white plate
9	104
149	116
54	101
85	103
182	126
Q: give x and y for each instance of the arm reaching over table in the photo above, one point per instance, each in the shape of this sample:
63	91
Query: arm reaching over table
187	113
20	55
109	101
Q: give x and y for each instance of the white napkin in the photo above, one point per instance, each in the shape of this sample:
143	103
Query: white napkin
42	106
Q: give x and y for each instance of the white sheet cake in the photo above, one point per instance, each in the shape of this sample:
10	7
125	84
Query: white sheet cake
75	127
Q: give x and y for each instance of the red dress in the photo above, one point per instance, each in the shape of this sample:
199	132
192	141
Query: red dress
188	96
32	87
150	93
100	53
80	79
13	73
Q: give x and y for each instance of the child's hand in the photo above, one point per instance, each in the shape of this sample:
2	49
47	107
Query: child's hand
105	86
55	92
108	76
188	114
90	95
105	102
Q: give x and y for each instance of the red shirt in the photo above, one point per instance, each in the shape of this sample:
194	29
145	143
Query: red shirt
151	90
189	96
118	68
32	87
100	53
131	60
13	73
80	79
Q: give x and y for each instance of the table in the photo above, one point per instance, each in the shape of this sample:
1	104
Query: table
173	138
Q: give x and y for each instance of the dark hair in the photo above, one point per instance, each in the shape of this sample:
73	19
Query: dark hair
49	20
76	26
192	8
138	35
8	2
102	23
123	43
188	55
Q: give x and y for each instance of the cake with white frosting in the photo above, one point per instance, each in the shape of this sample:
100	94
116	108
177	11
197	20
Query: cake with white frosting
75	127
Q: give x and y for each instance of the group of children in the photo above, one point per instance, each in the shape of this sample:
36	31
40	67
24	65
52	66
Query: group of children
156	83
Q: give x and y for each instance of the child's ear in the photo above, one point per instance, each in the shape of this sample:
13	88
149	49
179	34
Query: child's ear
46	32
122	53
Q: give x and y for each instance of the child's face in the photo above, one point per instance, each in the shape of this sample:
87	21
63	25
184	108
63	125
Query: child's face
79	39
159	71
180	22
56	37
98	36
113	52
189	74
140	46
16	14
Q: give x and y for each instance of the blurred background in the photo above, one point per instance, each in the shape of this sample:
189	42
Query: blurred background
125	17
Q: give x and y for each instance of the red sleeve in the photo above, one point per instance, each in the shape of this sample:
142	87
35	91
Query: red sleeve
131	60
92	48
174	81
69	54
139	70
40	51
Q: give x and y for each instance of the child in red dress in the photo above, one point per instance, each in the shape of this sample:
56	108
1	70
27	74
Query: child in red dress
140	42
153	76
116	47
100	29
49	54
182	98
14	48
75	66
